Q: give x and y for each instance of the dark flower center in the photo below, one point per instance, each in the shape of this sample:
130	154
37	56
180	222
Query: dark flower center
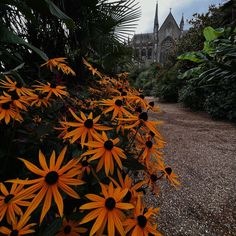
41	96
118	103
8	198
67	229
84	163
151	104
153	177
6	106
142	221
70	129
124	93
110	203
14	96
168	170
150	234
138	109
51	177
14	232
141	96
149	144
88	123
120	90
143	116
127	197
19	85
151	133
108	145
53	85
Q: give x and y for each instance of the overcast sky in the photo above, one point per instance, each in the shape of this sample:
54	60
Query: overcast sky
188	7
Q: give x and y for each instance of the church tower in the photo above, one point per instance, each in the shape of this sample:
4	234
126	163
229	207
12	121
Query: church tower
155	34
181	25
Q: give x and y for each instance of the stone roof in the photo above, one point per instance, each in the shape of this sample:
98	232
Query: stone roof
143	37
169	18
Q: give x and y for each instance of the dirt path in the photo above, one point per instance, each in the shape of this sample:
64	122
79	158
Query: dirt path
203	153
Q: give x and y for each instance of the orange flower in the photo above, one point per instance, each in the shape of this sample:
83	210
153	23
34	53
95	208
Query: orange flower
117	106
18	228
142	224
71	228
51	179
15	86
105	150
10	202
51	88
85	127
39	99
107	210
142	119
60	64
17	101
168	173
148	149
93	70
127	182
8	111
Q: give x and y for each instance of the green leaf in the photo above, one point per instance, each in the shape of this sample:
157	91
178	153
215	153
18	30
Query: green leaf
14	69
53	228
197	57
10	37
132	163
212	34
55	11
22	7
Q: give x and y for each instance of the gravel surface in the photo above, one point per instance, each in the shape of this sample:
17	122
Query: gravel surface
203	153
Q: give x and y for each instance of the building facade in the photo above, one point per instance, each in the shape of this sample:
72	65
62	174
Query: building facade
156	46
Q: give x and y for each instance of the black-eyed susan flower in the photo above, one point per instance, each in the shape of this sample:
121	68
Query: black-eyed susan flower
12	201
142	120
127	183
60	64
8	112
18	228
65	69
15	99
39	100
168	173
117	106
85	127
138	100
141	224
51	88
93	70
15	86
149	148
52	178
107	210
53	63
107	152
71	228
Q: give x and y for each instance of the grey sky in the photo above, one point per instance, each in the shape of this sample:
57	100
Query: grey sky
188	7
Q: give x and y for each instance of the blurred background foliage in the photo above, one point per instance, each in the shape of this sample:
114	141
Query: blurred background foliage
201	73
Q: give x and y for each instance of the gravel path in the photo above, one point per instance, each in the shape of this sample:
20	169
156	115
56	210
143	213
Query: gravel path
203	153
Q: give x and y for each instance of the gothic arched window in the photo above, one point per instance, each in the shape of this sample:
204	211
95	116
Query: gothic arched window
149	53
167	47
143	53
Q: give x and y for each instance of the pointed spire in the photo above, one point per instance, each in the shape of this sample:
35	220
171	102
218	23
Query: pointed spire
156	21
181	25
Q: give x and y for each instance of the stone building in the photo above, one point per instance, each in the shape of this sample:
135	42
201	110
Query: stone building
156	46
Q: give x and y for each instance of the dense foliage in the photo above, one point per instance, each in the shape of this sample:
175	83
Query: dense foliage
211	87
74	139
